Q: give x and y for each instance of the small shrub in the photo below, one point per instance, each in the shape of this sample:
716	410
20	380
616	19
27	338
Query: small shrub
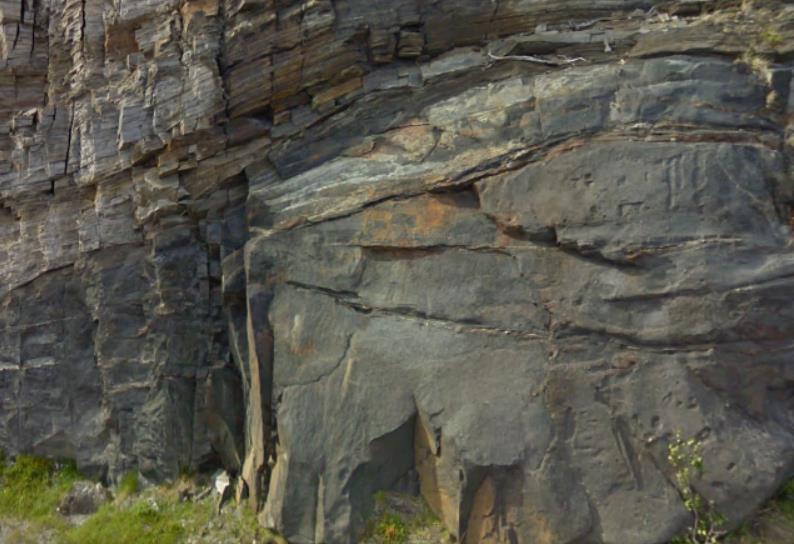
391	529
399	518
685	456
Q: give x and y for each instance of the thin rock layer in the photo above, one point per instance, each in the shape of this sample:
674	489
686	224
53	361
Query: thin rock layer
493	252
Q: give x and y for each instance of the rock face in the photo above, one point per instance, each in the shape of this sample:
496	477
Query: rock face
496	251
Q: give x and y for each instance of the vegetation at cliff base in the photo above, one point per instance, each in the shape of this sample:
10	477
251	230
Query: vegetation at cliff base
31	489
774	523
686	459
403	519
128	485
158	516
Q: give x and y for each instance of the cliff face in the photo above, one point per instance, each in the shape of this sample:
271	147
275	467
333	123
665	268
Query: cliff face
498	251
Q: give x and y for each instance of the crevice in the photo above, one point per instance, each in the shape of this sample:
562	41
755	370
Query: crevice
622	436
82	27
671	344
549	238
352	302
219	63
40	274
69	141
19	31
595	257
33	28
700	291
387	252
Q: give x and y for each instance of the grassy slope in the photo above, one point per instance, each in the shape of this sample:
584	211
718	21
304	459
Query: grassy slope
32	488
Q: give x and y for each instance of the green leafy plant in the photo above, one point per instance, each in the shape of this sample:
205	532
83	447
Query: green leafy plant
686	458
399	518
391	529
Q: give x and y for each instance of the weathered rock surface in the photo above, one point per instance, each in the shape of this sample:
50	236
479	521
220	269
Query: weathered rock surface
84	498
496	251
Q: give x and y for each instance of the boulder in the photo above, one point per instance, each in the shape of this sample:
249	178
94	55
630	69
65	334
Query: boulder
84	498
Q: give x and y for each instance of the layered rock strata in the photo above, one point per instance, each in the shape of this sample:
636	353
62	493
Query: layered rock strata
494	252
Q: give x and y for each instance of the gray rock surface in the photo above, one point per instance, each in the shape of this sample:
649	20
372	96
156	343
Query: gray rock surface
83	498
494	251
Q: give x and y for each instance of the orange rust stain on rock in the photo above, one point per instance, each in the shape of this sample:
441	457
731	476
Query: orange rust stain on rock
483	525
276	277
209	8
407	222
438	493
303	349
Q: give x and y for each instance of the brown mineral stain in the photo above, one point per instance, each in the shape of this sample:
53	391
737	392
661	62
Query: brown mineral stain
120	42
483	525
435	493
540	530
407	222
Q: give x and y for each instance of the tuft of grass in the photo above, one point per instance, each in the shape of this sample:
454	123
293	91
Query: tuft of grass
129	485
31	488
771	37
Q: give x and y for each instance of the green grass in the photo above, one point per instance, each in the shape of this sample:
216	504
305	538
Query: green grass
129	485
145	521
31	489
158	516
